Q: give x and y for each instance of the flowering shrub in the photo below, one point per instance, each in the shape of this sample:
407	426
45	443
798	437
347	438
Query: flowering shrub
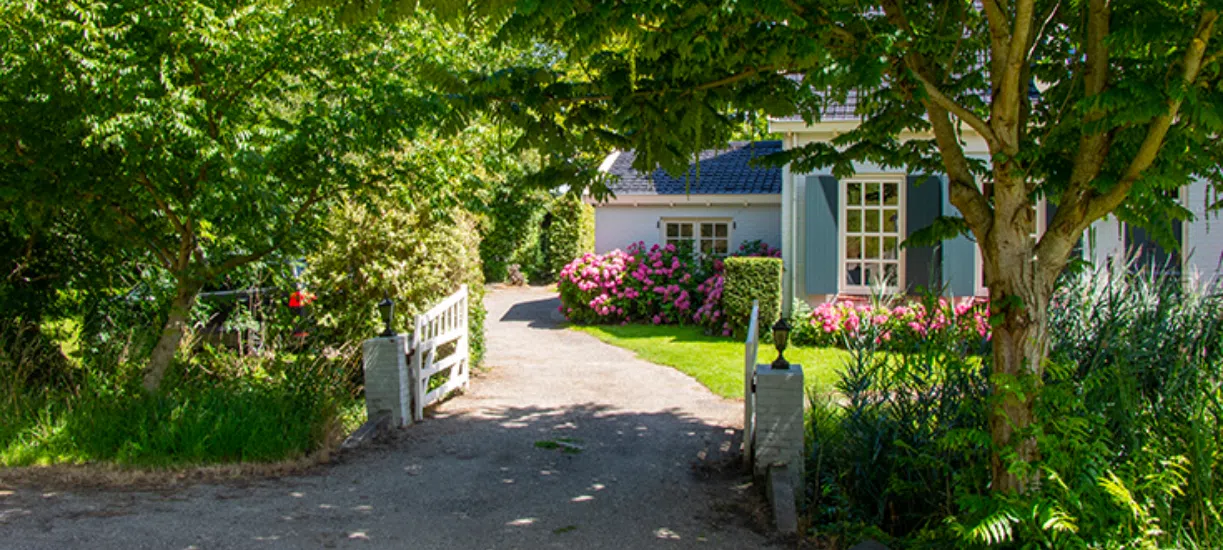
834	322
711	314
663	279
655	285
658	285
758	248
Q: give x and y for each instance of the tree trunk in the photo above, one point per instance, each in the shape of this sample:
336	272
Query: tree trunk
1020	288
1020	346
171	334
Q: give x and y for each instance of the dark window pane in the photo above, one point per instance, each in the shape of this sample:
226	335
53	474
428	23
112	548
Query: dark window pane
672	230
720	230
891	194
892	273
891	221
872	272
853	274
685	230
890	248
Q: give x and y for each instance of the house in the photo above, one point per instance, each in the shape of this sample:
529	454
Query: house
841	237
731	202
1200	256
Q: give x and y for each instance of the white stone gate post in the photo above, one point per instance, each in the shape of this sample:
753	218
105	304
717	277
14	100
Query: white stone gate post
384	360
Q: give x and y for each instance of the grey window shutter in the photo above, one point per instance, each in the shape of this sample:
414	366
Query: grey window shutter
821	226
959	256
924	203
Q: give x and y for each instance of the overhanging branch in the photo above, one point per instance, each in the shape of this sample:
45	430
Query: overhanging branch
1100	204
960	112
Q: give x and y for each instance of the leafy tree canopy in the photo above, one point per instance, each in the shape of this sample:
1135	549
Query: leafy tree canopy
197	137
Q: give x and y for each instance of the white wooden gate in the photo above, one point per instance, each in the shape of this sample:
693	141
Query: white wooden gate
751	347
445	324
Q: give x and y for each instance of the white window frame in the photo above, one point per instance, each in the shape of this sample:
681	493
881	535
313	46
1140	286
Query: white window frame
696	231
1042	211
867	287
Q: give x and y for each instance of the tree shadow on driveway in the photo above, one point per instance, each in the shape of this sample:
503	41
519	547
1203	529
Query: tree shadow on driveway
584	476
541	314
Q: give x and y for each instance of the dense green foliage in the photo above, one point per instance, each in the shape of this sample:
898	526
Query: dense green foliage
1129	426
154	151
513	233
570	232
378	250
749	279
204	134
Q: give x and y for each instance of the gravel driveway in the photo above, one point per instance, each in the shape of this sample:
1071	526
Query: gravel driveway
637	467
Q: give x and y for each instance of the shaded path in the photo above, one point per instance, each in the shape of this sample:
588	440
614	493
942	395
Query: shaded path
474	476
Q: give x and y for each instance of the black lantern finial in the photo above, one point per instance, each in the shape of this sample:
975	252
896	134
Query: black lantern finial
781	337
386	308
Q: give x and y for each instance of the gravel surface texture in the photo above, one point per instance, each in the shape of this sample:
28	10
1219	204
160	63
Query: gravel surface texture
564	442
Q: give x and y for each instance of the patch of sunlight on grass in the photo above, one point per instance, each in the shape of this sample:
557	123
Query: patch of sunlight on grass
715	361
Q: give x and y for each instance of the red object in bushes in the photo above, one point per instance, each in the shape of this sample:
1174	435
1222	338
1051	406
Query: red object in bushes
297	302
300	299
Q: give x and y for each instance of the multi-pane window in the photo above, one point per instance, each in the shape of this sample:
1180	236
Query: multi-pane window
871	234
705	236
714	238
680	232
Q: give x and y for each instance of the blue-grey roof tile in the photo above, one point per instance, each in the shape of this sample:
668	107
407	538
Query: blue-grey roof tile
726	171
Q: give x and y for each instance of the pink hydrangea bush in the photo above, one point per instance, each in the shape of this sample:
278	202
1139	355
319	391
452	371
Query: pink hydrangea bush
711	314
758	248
592	289
665	282
654	285
896	327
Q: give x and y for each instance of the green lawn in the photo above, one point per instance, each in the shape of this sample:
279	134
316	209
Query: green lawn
714	361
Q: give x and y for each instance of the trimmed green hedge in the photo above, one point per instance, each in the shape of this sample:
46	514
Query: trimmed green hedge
513	232
748	279
570	233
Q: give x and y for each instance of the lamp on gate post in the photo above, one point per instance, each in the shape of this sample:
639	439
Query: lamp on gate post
386	308
781	336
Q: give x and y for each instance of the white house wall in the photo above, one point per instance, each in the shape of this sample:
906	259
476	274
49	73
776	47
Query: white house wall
1204	235
617	225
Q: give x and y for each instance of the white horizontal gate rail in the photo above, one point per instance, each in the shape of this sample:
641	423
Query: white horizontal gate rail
444	324
751	347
